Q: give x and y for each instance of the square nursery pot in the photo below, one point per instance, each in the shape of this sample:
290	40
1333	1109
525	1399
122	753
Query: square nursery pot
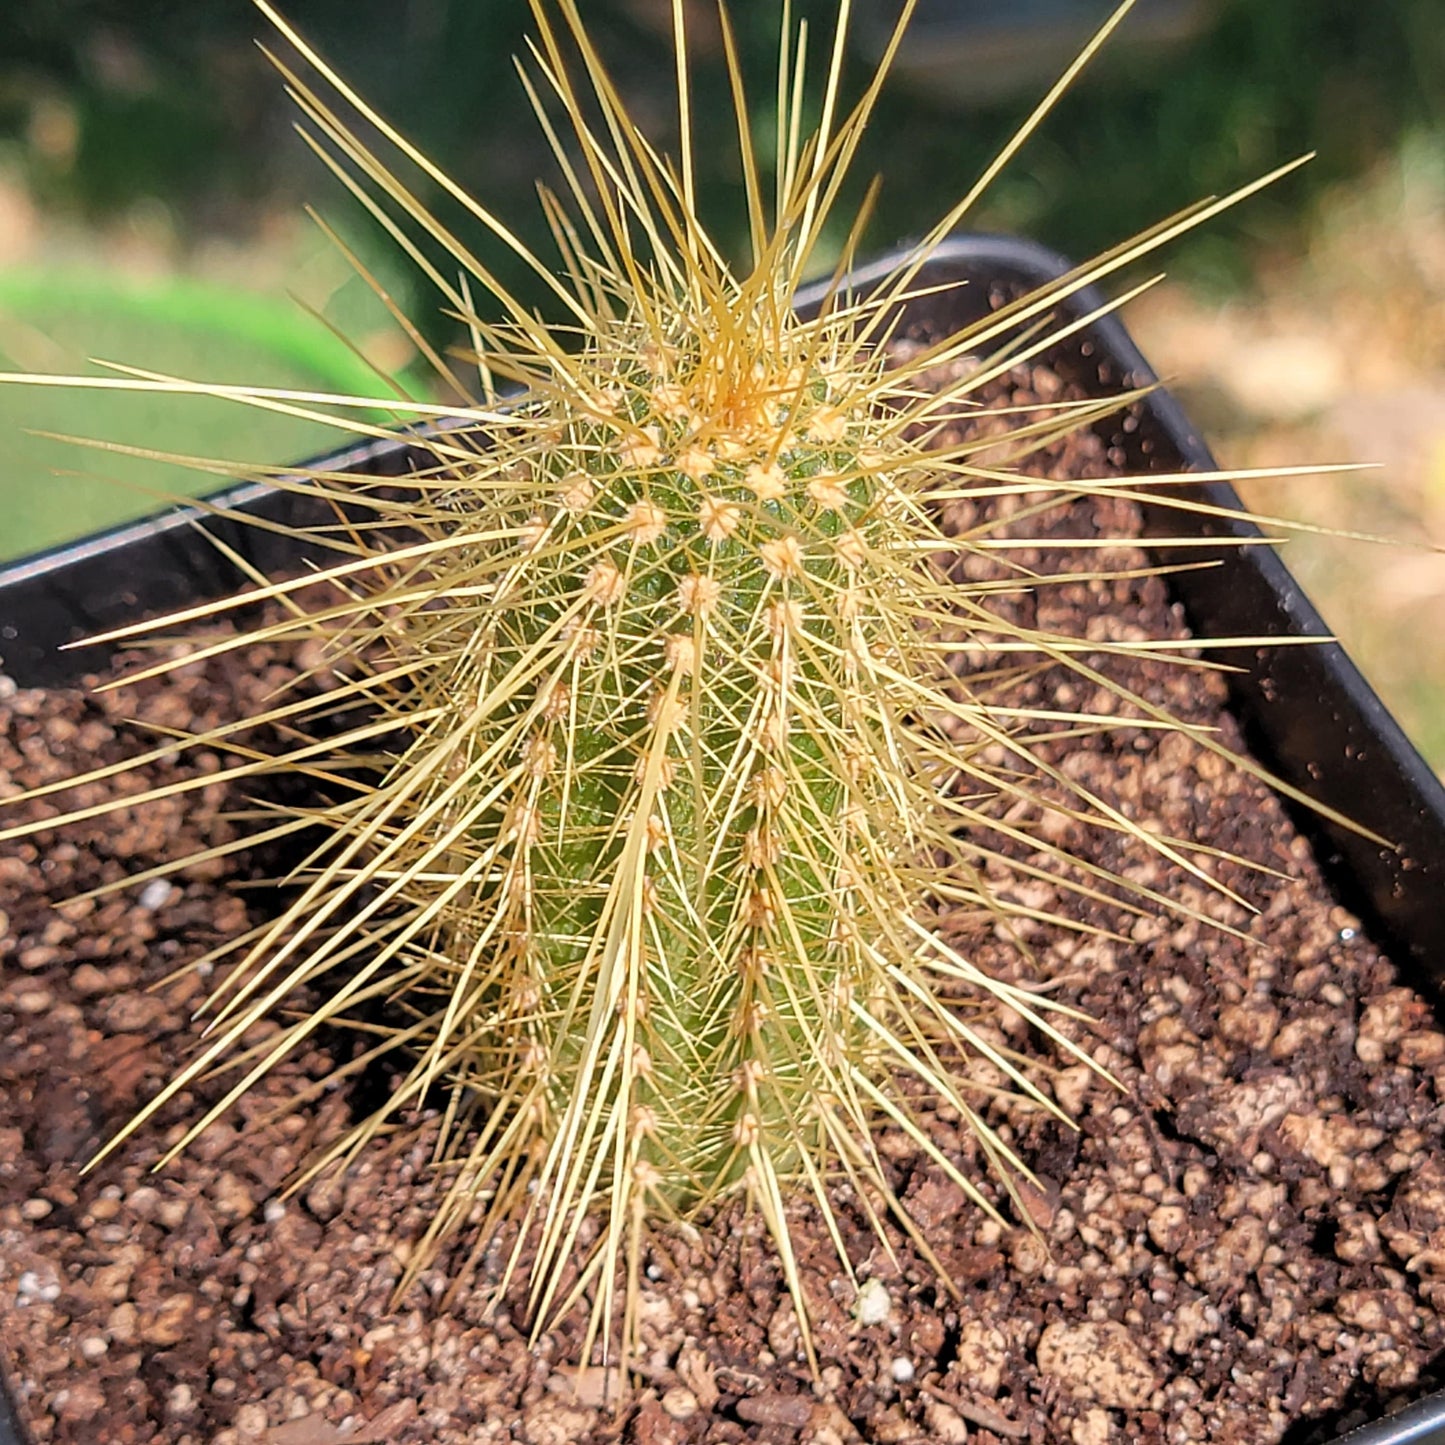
1307	714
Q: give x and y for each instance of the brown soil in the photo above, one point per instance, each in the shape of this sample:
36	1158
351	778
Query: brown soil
1251	1232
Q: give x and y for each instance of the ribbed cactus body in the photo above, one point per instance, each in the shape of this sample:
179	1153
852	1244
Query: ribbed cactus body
675	800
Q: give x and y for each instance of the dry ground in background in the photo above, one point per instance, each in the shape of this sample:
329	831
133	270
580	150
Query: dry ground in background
1340	356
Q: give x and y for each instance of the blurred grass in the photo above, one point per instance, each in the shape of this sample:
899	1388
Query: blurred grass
55	321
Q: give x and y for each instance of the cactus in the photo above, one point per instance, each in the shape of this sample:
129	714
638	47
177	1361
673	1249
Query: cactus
663	766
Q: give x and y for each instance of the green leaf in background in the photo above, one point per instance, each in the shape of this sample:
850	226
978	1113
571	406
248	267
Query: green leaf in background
56	321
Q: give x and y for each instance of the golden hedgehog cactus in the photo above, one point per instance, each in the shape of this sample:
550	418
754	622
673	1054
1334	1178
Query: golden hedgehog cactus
674	764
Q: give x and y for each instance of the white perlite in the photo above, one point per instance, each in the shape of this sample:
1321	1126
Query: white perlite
873	1303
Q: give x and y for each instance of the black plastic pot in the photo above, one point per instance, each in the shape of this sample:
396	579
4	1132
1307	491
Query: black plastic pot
967	54
1308	714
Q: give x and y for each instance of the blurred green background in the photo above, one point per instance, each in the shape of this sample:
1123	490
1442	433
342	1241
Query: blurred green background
151	188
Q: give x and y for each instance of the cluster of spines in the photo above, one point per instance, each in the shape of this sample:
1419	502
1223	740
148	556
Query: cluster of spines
688	821
655	851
